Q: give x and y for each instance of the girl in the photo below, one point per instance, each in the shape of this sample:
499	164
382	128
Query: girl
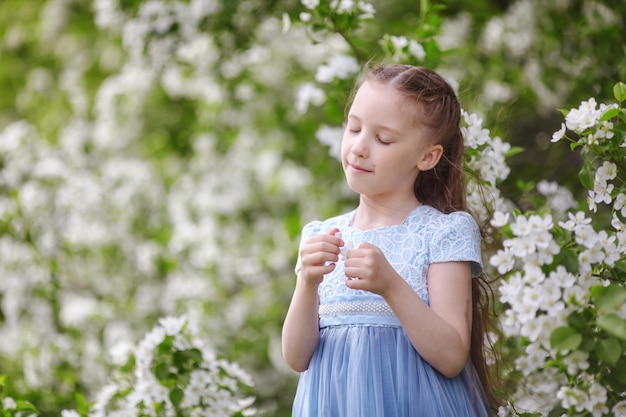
387	314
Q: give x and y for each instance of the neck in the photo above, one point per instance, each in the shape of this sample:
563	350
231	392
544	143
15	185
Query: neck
371	213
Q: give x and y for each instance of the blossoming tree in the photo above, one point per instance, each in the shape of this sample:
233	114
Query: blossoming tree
158	158
564	287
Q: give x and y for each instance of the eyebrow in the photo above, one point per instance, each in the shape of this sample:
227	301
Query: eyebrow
381	127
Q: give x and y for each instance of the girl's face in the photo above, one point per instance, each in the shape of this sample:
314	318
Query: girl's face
384	145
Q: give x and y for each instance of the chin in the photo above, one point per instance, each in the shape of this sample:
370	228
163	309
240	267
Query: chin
356	188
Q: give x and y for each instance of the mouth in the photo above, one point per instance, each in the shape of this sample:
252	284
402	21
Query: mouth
357	169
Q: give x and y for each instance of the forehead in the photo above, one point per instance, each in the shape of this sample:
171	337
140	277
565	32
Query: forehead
380	102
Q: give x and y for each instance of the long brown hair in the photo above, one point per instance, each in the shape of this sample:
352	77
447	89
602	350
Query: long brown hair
443	188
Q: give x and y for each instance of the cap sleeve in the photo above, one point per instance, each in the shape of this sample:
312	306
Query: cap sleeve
458	239
310	229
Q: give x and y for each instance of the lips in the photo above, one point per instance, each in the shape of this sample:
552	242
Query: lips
357	168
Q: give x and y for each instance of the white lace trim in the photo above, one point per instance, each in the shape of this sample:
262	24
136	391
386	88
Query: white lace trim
377	308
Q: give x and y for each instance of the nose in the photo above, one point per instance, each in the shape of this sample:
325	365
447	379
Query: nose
359	145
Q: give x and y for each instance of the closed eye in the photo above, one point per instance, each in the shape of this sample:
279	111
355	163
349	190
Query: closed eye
381	141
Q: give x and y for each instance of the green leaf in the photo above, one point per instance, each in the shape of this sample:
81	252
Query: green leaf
82	406
574	145
514	151
129	365
25	406
194	355
524	185
619	372
187	358
565	338
161	371
586	176
165	346
558	411
619	91
176	397
613	324
608	298
609	351
581	319
569	258
609	114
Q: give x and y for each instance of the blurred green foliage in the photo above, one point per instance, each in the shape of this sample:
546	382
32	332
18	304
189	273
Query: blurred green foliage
57	65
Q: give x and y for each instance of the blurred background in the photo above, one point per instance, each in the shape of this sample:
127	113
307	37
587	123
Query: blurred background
159	157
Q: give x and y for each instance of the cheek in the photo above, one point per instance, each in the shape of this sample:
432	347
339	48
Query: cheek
345	146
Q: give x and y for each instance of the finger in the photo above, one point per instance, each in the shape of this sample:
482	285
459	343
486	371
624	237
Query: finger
367	245
356	284
322	243
353	272
337	240
365	250
358	253
319	246
319	258
326	237
319	270
350	271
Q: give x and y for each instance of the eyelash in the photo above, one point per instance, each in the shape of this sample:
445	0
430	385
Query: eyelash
378	138
382	142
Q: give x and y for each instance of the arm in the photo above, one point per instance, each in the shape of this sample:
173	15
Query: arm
318	255
440	333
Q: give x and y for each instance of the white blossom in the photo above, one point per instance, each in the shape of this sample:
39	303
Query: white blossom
503	260
8	403
367	10
417	50
331	137
572	397
286	22
584	117
310	4
602	192
309	93
575	221
342	6
591	201
619	409
606	172
576	361
500	219
338	66
559	134
172	325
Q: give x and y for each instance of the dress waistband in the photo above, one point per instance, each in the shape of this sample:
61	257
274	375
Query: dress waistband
357	312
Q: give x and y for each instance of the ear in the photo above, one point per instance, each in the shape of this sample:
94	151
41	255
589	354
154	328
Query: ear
430	158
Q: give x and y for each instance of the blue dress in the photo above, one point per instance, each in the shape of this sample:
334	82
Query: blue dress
365	364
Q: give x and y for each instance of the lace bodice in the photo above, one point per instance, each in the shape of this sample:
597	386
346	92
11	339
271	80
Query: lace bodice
364	363
426	236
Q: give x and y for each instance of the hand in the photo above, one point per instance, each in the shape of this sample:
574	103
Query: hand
368	269
318	255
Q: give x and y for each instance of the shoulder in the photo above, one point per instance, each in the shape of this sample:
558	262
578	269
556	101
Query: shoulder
462	219
460	224
437	221
315	227
455	237
443	222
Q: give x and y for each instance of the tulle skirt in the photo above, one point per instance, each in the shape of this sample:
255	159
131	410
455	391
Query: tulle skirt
373	370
